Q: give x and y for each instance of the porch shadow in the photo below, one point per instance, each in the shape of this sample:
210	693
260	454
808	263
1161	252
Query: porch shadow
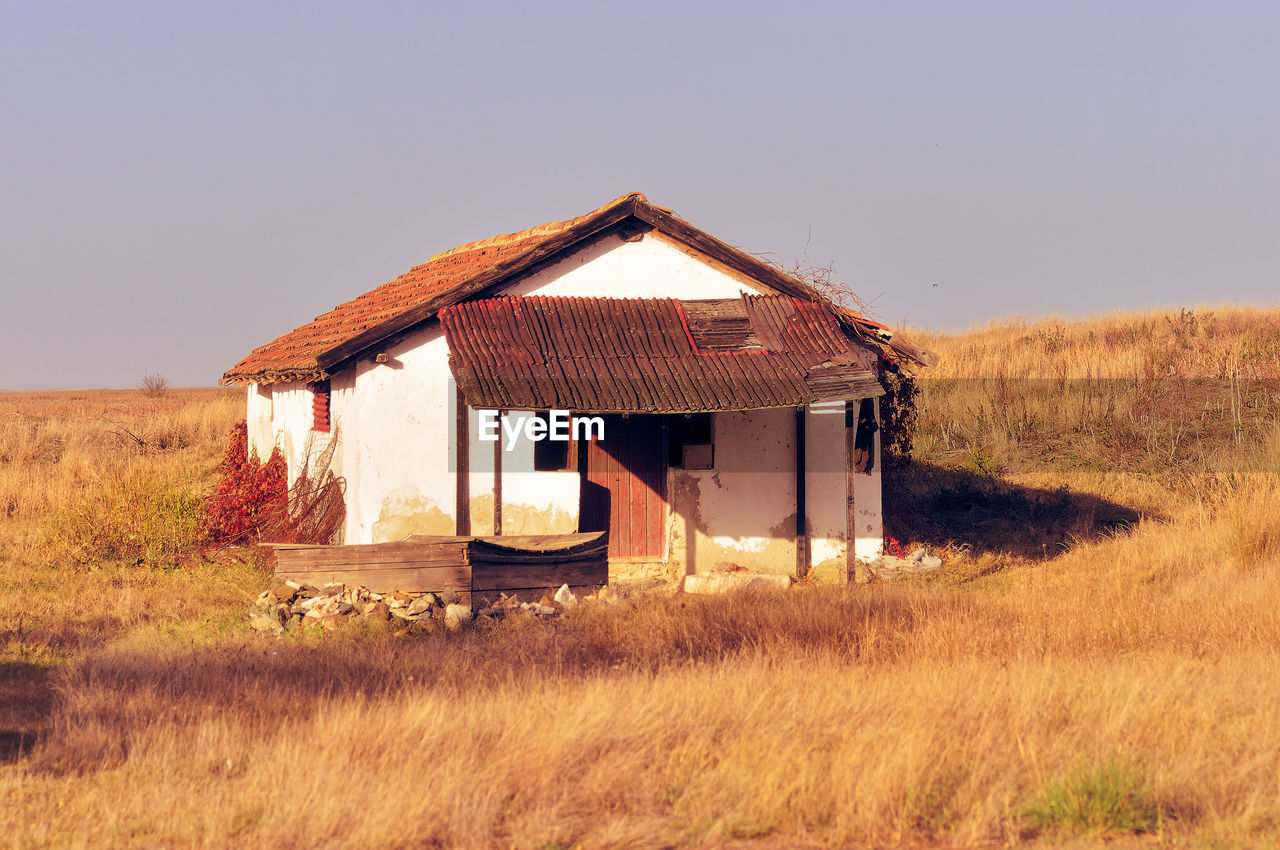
941	506
26	701
115	694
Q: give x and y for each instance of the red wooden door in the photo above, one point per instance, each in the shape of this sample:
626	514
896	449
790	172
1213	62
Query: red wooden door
624	485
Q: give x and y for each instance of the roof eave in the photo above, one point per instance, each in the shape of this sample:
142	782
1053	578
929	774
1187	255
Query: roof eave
736	258
891	343
272	376
340	355
880	337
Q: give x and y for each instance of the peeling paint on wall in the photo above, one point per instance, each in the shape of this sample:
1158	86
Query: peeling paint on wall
531	519
407	512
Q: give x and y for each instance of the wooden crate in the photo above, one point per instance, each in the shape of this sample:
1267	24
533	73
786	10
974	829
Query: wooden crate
524	565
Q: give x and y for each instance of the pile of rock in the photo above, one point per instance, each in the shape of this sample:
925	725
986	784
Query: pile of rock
289	606
891	566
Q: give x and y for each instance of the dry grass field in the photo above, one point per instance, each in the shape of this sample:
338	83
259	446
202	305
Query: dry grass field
1098	660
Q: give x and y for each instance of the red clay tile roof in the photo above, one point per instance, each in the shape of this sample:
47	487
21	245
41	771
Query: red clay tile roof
311	351
653	355
298	354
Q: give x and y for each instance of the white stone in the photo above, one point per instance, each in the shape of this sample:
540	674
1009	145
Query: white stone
421	605
456	616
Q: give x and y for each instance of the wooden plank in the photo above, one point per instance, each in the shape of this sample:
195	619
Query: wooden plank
658	495
403	550
533	559
634	478
388	554
497	480
584	574
619	485
422	544
586	565
537	543
425	563
388	580
850	508
370	565
802	530
462	474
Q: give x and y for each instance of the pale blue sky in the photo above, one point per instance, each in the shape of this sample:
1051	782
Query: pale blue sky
183	182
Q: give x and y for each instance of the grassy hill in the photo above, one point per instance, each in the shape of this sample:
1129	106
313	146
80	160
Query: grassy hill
1098	658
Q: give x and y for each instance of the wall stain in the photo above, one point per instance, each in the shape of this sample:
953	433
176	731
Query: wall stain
526	519
403	515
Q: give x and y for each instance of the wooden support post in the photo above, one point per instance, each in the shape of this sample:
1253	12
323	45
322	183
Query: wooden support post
462	475
858	571
802	529
850	483
497	482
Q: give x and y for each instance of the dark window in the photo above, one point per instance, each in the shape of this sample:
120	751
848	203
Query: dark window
551	455
320	406
864	442
690	441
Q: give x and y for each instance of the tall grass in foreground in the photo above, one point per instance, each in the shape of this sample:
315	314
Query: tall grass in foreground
786	749
1129	685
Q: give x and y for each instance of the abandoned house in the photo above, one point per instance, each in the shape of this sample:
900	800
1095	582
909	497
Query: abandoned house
619	371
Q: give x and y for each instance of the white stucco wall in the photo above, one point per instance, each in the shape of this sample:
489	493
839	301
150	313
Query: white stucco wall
534	502
826	483
651	267
393	419
868	516
393	423
259	409
742	511
281	415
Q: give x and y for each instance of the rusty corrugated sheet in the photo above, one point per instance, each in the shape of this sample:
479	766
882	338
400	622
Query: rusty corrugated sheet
604	355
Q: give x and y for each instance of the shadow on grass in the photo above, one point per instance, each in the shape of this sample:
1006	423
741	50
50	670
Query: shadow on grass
111	699
26	700
942	506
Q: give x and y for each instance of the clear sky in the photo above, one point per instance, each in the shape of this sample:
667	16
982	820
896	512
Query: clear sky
184	181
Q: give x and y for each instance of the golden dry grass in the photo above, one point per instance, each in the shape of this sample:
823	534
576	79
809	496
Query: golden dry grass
1160	393
1110	677
75	465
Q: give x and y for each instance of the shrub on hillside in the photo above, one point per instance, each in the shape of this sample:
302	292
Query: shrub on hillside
1106	800
131	515
154	385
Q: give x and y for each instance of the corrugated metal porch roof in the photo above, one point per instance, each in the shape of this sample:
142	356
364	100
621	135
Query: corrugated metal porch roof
607	355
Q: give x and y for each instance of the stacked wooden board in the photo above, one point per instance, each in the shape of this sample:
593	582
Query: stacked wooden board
527	564
521	565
